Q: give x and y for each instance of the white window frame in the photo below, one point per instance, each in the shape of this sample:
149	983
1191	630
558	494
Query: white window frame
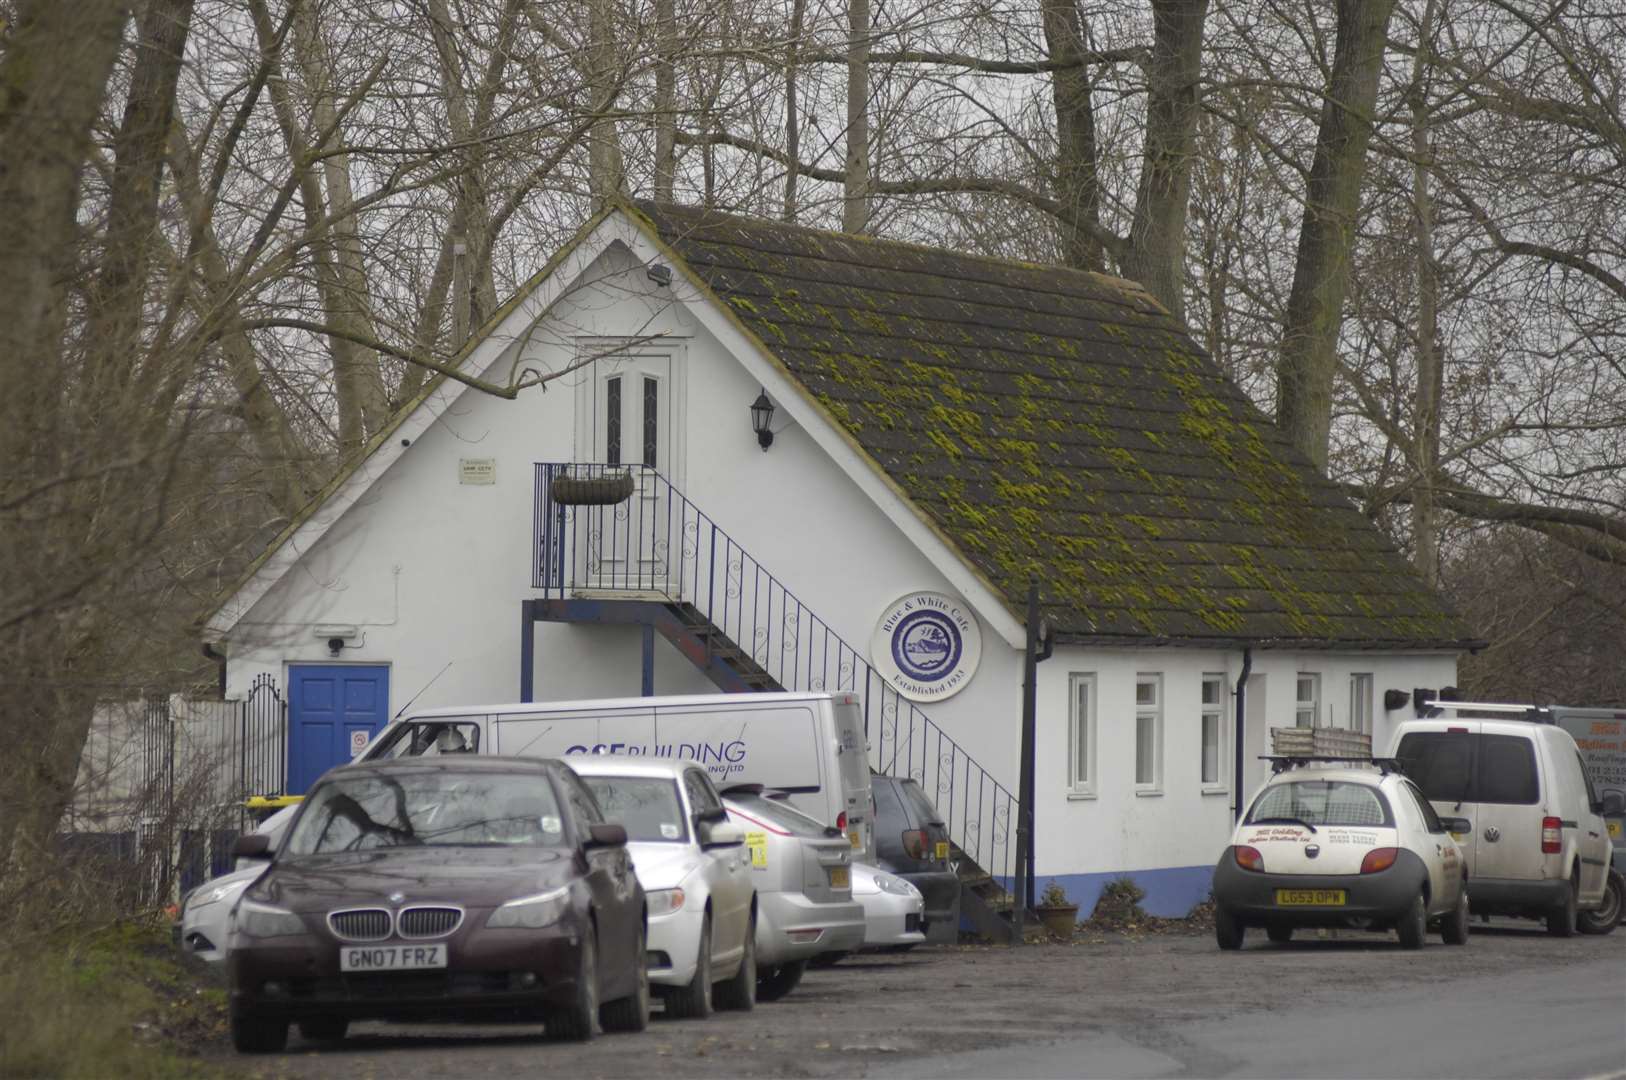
1311	704
1081	725
1154	713
1362	701
1222	734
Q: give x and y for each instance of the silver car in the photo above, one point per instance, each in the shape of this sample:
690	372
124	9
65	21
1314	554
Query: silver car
894	910
803	875
206	910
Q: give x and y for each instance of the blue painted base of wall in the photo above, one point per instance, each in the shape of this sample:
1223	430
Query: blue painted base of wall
1171	892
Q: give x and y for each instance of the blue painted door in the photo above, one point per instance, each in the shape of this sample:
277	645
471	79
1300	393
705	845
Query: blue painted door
333	709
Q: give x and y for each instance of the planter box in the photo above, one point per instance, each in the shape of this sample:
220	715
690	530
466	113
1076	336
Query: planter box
1061	921
592	490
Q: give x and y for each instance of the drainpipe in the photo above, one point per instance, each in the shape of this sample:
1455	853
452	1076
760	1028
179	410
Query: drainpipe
1241	705
220	665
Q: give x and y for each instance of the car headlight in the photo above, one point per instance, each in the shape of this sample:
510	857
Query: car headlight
532	912
254	919
896	885
663	901
204	895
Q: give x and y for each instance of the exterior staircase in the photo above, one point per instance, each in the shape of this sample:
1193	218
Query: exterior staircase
651	558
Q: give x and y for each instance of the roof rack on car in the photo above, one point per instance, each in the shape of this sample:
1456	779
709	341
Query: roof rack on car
1283	762
1536	714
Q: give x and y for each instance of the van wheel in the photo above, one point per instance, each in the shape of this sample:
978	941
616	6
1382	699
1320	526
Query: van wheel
1228	929
1607	917
1278	933
1413	925
1454	927
1561	919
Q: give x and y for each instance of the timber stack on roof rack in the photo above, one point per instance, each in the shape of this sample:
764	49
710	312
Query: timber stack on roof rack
1297	741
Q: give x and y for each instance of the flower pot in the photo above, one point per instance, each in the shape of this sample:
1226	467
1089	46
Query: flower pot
603	490
1060	920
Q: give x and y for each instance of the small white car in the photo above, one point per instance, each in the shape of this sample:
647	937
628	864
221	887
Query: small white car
894	910
691	861
206	910
803	875
1341	843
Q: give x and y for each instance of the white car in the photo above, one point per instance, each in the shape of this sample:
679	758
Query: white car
1341	843
206	910
691	861
803	875
894	910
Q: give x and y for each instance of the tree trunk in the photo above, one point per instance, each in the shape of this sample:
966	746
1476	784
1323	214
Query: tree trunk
1078	188
665	99
1430	369
607	177
1157	236
1308	358
347	299
793	125
855	194
54	70
113	323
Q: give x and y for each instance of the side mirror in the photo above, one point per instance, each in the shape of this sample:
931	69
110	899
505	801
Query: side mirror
252	846
606	835
720	834
714	814
1456	824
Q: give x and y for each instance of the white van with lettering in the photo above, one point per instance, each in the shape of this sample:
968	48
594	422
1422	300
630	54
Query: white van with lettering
810	746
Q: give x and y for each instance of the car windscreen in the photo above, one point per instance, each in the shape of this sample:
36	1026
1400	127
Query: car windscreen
440	808
427	738
1442	764
648	807
1321	802
780	815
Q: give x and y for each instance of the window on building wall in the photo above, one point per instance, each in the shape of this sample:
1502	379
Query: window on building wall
1081	736
1148	733
1213	734
1309	701
1360	703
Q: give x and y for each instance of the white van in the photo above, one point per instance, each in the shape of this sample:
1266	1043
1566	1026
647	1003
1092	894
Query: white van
1535	844
810	746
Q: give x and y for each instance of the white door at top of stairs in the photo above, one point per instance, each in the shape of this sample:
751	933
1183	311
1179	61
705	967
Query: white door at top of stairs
629	414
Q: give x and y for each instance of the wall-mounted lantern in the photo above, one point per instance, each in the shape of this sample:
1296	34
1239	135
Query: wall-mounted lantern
761	417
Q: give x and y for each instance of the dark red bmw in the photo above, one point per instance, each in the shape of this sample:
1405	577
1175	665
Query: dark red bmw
452	887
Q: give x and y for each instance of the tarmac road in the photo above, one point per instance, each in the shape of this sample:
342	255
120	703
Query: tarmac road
1557	1022
1512	1002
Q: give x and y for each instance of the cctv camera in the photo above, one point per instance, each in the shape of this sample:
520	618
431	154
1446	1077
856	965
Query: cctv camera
334	644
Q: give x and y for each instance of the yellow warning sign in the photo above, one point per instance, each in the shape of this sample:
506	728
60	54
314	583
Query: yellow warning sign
758	843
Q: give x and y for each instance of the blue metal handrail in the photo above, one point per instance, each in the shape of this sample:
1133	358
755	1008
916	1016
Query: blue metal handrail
656	543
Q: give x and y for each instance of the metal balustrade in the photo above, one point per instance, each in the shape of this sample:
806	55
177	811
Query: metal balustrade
656	544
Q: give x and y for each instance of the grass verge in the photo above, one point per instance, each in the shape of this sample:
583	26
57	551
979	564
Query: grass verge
117	1001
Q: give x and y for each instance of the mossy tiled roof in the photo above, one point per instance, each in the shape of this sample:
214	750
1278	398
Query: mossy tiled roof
1059	424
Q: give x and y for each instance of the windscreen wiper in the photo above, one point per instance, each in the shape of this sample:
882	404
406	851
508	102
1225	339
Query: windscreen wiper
1283	821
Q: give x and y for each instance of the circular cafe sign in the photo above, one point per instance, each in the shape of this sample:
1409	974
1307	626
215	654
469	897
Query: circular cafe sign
927	646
